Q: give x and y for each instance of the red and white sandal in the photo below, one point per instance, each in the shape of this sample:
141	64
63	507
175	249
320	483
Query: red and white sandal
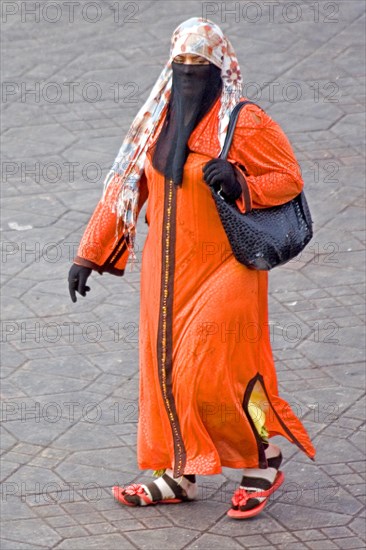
242	508
143	495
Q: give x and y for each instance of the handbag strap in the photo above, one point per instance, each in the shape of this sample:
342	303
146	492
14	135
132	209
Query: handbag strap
228	140
231	127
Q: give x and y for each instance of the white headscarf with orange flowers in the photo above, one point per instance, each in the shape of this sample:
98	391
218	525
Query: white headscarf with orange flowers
195	36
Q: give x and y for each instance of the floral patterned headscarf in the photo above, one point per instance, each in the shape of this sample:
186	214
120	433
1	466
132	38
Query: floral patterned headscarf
195	36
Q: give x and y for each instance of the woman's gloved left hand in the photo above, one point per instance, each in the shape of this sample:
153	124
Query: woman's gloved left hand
78	275
222	172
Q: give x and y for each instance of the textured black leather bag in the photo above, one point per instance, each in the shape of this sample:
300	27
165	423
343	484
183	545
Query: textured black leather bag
263	238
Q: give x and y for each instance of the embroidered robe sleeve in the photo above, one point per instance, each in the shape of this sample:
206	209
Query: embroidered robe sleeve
101	248
262	154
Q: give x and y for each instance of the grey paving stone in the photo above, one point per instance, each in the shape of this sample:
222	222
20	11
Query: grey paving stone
321	352
35	385
23	530
281	538
351	542
294	517
87	435
72	531
55	515
309	534
33	480
200	515
358	527
35	429
11	545
330	402
105	458
92	517
127	525
357	409
333	532
172	537
349	479
358	439
113	541
342	447
301	476
12	506
350	375
7	468
358	466
154	523
123	364
84	475
252	541
321	545
16	457
100	528
235	528
214	541
297	546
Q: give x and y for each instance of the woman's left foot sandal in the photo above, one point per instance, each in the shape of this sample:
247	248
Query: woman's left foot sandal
165	490
247	502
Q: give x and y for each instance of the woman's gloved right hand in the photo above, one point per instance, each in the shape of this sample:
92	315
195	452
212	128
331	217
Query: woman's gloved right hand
78	276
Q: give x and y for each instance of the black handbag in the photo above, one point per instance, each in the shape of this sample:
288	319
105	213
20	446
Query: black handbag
263	238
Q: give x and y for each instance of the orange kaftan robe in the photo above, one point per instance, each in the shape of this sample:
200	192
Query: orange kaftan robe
203	337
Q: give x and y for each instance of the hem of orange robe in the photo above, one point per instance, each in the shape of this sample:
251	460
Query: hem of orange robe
146	466
185	473
287	433
190	472
100	268
237	465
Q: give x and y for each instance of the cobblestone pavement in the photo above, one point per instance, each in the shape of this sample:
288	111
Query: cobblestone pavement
73	79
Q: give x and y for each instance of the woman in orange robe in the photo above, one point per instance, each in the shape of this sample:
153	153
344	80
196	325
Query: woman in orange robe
208	389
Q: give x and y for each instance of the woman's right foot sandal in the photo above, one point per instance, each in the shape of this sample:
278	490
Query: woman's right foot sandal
247	503
256	486
164	490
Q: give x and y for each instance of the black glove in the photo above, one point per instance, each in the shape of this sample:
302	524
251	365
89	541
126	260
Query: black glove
78	276
221	171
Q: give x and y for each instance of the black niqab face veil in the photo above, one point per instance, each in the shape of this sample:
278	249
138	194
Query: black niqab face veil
194	90
196	36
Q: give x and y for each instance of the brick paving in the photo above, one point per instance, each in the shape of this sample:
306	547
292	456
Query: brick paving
69	371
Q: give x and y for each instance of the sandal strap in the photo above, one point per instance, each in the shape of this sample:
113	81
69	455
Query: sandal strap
177	489
275	461
241	495
255	482
154	491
